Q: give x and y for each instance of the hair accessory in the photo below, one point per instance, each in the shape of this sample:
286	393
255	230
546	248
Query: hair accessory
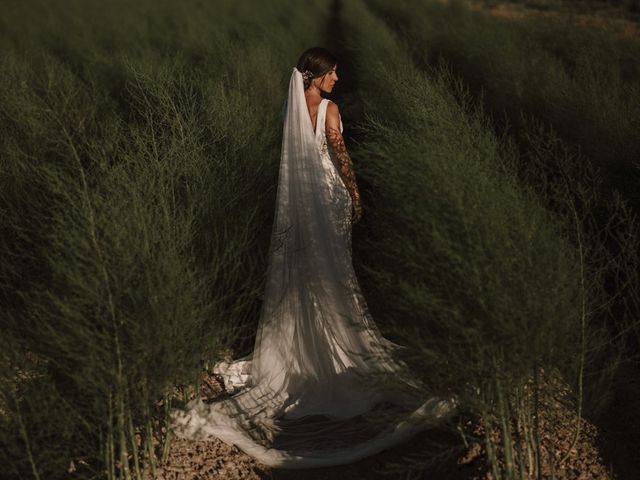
307	75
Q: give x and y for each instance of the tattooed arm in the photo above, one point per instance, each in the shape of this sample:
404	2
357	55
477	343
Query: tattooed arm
345	166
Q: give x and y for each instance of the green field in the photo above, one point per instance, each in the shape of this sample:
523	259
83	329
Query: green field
499	163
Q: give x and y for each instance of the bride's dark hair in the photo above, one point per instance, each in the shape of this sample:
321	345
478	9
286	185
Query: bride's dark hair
318	61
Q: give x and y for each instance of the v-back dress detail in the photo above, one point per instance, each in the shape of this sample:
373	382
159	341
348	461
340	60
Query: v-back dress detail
322	386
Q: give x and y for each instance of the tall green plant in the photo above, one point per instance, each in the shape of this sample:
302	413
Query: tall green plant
488	288
581	82
136	193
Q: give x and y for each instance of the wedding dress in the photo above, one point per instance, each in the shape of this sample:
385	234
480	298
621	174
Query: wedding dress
321	386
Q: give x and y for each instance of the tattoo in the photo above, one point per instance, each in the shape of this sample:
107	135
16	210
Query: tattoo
345	166
345	169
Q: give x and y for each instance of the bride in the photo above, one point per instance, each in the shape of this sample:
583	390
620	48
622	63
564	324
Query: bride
321	386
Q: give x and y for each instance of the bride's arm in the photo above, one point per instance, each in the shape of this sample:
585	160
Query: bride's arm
345	165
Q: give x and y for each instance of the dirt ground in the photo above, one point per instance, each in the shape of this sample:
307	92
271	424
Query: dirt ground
215	460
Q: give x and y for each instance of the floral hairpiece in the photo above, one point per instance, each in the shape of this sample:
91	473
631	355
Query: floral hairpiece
307	75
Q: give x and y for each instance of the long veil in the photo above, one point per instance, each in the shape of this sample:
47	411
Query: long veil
321	386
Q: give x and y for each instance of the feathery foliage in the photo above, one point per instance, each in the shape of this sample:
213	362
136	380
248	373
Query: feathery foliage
493	279
137	175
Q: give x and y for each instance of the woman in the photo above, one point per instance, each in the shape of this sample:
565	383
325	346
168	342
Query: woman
326	117
321	386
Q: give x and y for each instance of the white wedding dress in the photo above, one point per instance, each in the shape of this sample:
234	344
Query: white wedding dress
321	386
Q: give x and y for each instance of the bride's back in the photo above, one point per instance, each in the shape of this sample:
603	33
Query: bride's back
313	105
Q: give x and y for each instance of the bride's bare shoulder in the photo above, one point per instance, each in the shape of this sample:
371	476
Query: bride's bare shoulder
332	109
333	116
